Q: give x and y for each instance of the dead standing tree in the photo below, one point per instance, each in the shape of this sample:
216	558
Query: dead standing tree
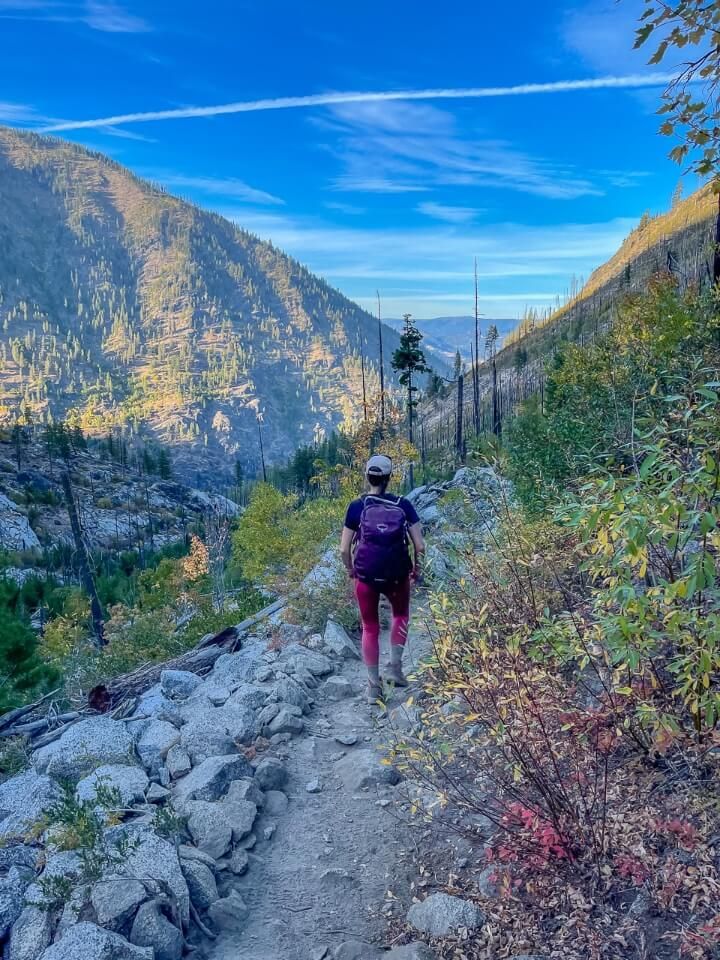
86	574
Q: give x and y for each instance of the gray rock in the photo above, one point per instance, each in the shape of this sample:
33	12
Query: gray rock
211	779
84	747
11	900
186	852
314	786
116	899
248	696
338	688
201	883
363	769
179	684
130	783
19	855
441	915
155	742
23	801
230	913
209	827
411	951
289	691
238	862
243	665
270	774
337	640
86	941
156	793
286	722
486	882
154	703
153	858
216	691
246	789
241	816
177	762
31	934
202	738
357	950
298	657
347	739
267	715
529	956
15	530
276	803
152	929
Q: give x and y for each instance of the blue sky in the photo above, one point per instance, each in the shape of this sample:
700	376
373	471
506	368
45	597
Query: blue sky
372	193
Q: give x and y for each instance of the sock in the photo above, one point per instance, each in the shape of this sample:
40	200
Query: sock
374	675
396	654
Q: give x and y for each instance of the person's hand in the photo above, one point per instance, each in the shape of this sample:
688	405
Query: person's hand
416	577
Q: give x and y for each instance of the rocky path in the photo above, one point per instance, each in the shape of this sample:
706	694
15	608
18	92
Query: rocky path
319	887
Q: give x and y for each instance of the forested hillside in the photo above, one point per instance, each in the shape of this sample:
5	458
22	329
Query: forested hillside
124	307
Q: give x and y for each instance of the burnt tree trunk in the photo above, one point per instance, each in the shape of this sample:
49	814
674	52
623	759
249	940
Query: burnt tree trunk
459	425
98	625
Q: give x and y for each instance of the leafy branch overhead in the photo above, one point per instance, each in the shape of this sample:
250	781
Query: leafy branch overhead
692	101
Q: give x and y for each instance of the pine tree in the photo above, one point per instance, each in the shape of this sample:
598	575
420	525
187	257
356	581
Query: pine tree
409	361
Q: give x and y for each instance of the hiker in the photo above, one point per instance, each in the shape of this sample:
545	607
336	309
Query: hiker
375	548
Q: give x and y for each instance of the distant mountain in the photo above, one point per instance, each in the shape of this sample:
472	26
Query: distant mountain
444	336
127	307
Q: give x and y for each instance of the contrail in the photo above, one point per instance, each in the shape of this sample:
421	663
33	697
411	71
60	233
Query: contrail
329	99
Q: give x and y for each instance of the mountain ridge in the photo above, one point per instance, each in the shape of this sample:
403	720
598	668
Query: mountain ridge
123	306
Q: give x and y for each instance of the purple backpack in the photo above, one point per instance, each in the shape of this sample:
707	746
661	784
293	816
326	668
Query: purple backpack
382	554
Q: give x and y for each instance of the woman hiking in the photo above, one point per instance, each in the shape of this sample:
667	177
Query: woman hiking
375	547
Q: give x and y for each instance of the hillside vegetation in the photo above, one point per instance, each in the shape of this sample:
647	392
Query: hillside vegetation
570	712
122	306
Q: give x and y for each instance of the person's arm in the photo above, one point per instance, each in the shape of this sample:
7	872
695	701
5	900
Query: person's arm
346	542
418	542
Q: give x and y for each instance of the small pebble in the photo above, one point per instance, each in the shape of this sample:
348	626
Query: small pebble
313	787
269	831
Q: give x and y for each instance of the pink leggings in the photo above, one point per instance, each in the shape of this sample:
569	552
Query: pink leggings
368	598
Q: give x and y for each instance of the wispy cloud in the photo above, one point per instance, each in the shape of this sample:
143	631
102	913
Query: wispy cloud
330	99
413	147
110	18
216	187
103	15
447	213
349	208
419	265
19	113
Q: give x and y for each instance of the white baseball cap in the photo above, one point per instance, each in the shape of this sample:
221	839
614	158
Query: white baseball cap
380	465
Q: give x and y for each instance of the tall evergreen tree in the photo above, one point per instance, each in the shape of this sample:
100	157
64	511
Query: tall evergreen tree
409	361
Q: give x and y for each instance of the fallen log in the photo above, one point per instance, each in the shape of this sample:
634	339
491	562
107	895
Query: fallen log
120	694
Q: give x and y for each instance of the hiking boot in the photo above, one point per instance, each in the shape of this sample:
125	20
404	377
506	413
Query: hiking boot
394	673
374	693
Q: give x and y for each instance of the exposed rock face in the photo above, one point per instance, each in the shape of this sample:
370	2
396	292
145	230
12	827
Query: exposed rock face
15	530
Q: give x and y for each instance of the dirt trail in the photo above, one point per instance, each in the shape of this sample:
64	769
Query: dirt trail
322	879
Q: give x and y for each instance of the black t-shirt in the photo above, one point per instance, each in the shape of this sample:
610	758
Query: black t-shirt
354	511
